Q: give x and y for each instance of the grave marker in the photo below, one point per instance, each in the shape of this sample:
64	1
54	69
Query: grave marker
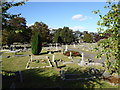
53	58
56	47
66	48
74	45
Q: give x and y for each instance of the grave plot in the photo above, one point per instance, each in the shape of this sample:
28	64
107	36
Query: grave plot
39	62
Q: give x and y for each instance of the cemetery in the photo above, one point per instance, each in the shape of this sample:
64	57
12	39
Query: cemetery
66	53
63	65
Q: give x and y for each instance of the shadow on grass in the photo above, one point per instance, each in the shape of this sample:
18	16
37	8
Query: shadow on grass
50	78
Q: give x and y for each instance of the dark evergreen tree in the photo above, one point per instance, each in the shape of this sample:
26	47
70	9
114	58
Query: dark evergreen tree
36	44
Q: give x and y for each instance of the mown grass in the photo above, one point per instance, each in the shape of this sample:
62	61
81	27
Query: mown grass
46	77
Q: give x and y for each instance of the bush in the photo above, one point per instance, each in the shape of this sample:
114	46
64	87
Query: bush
36	44
74	53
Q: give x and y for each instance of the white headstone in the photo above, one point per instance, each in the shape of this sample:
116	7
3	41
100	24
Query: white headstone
74	45
31	57
82	57
53	58
66	48
82	63
56	47
49	62
49	52
70	55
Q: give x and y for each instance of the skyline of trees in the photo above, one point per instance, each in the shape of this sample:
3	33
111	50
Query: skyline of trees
14	29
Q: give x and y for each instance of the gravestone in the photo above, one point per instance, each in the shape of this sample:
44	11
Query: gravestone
53	58
56	47
49	52
31	58
56	63
25	48
74	45
49	61
66	48
70	57
82	63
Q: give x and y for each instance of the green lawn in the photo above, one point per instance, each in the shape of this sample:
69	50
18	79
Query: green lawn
46	77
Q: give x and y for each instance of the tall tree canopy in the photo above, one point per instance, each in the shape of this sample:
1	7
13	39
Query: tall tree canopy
7	16
42	29
13	27
110	46
64	35
17	31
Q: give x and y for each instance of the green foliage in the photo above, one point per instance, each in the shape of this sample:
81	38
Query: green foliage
4	73
36	44
13	27
110	46
5	15
88	38
64	35
42	29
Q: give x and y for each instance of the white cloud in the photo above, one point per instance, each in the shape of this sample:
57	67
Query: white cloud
80	17
81	28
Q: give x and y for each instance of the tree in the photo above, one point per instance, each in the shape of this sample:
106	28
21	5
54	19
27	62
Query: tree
18	32
64	35
88	38
111	45
42	29
5	15
19	27
5	18
36	44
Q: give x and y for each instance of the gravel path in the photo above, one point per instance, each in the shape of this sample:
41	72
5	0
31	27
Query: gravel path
90	56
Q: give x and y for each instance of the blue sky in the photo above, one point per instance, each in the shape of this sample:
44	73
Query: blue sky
76	15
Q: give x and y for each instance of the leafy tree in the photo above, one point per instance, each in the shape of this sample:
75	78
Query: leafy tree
88	38
36	44
18	32
42	29
7	16
64	35
110	46
23	33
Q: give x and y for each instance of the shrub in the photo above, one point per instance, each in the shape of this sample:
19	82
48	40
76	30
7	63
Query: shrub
36	44
74	53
